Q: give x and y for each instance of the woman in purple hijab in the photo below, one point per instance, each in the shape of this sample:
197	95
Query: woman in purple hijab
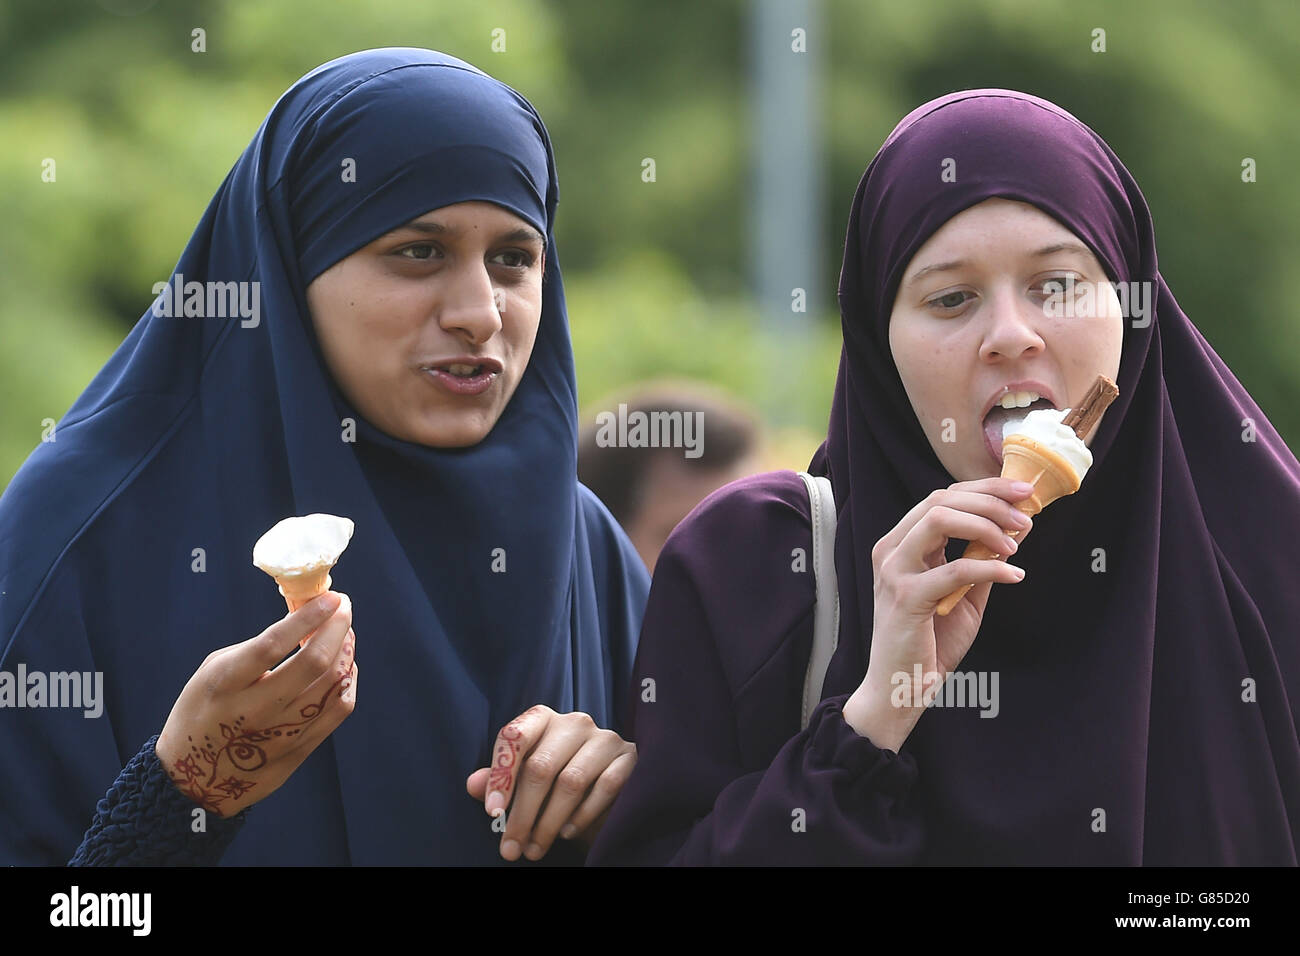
1139	685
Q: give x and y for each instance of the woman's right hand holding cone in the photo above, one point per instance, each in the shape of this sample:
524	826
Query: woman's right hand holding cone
911	576
243	725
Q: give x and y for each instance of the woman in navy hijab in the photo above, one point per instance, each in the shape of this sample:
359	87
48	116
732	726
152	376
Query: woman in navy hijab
400	356
1138	687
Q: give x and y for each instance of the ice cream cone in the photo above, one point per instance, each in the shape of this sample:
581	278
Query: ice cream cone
1030	461
298	589
1023	459
299	553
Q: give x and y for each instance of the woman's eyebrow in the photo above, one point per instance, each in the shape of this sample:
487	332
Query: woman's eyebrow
1063	247
937	267
522	234
1054	248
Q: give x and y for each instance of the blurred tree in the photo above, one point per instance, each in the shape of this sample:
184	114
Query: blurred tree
143	130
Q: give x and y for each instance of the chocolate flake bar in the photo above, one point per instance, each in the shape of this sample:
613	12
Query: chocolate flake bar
1086	414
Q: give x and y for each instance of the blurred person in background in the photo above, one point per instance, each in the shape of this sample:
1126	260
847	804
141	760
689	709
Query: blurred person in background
650	489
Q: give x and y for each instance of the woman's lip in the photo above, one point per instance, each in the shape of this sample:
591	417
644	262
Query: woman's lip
461	385
489	364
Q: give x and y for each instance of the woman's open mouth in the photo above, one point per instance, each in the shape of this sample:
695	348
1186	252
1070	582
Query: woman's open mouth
1009	408
464	378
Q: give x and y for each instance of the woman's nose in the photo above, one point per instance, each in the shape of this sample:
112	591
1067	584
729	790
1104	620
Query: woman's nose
470	305
1012	327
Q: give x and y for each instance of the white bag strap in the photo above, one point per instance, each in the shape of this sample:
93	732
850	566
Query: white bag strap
826	614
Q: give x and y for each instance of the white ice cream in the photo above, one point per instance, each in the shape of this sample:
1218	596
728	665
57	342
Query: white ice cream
302	545
1044	426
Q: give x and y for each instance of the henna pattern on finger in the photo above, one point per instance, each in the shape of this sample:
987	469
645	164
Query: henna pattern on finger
507	755
502	774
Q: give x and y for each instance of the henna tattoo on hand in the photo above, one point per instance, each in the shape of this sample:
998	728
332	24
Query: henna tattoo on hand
241	750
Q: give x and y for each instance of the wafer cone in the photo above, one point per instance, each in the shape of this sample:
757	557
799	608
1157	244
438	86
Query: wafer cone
298	589
1024	460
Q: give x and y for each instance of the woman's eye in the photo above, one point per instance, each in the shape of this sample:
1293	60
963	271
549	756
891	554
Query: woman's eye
949	300
1057	285
515	259
420	252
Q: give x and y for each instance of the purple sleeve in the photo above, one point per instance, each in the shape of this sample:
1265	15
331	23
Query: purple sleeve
719	782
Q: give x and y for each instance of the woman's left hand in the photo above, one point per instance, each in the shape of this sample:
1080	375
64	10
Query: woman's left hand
562	760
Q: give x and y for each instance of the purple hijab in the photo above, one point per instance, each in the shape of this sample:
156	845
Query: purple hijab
1164	690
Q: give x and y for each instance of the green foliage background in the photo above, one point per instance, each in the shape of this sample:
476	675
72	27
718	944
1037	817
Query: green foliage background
144	130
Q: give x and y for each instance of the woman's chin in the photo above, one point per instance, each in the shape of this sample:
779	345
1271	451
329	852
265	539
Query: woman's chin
975	473
463	430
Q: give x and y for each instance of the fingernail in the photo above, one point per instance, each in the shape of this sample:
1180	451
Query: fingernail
1021	519
1021	487
496	802
568	830
327	601
510	849
1020	572
1009	545
534	852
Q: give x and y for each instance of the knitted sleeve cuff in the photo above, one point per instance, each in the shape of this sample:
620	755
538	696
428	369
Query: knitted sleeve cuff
145	820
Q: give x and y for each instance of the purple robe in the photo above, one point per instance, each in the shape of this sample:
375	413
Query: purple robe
1147	714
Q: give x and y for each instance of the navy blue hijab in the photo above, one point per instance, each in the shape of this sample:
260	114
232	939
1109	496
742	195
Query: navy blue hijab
200	433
